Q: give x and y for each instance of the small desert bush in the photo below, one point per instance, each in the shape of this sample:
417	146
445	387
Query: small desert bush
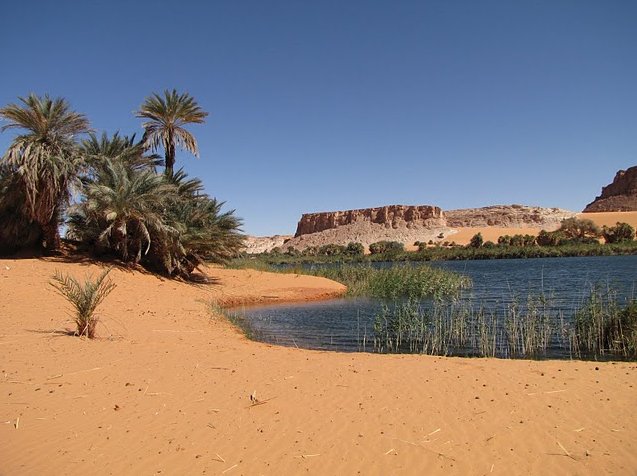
84	297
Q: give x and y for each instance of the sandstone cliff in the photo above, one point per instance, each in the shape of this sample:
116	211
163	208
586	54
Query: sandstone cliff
619	196
392	216
507	216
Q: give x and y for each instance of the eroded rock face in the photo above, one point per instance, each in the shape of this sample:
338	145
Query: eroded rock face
392	216
261	244
508	216
619	196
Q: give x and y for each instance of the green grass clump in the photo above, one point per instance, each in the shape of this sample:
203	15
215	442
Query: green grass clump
395	281
85	297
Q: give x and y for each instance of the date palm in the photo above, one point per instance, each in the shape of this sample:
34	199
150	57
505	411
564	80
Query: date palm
207	232
121	211
167	117
43	160
123	148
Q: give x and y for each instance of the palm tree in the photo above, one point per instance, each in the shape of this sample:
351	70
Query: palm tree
122	211
167	117
17	231
207	233
44	160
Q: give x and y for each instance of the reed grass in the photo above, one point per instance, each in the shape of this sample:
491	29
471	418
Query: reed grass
397	281
601	327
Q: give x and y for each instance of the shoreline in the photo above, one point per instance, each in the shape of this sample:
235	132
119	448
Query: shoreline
167	387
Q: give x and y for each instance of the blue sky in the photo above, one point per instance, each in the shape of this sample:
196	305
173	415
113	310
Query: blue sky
330	105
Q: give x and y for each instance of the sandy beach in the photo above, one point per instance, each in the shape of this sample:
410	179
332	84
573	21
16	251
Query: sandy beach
167	386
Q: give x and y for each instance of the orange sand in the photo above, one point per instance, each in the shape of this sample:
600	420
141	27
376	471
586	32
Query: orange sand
492	233
611	218
489	233
166	389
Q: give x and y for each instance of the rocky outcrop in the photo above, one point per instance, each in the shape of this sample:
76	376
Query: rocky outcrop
406	224
262	244
392	216
619	196
507	216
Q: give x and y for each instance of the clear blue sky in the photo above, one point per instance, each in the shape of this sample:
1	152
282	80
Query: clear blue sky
330	105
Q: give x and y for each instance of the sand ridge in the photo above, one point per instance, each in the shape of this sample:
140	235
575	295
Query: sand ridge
166	390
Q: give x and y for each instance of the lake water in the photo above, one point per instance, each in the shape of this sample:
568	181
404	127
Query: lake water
347	324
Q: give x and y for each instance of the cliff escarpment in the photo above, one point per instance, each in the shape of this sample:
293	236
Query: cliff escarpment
408	224
507	216
618	196
392	216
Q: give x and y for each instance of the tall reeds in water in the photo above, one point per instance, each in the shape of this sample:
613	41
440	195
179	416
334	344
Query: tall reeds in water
600	327
396	281
603	327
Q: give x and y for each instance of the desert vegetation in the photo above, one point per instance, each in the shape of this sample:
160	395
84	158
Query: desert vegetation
600	327
395	281
109	191
84	297
575	237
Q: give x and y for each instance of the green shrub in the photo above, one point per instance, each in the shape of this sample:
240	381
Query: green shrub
582	231
355	249
620	233
386	247
549	238
517	240
476	241
331	249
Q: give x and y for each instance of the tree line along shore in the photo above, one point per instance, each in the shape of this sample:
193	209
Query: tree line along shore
575	237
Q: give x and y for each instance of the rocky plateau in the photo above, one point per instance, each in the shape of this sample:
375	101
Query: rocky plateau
406	224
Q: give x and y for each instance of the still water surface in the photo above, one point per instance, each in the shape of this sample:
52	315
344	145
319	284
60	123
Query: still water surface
346	324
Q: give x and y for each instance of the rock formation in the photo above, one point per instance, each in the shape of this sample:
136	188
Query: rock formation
507	216
619	196
261	244
406	224
392	216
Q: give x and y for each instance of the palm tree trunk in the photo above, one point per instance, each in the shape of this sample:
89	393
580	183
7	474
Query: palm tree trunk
170	156
51	235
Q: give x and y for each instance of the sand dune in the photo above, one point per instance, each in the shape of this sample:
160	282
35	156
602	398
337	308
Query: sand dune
166	390
462	236
611	218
